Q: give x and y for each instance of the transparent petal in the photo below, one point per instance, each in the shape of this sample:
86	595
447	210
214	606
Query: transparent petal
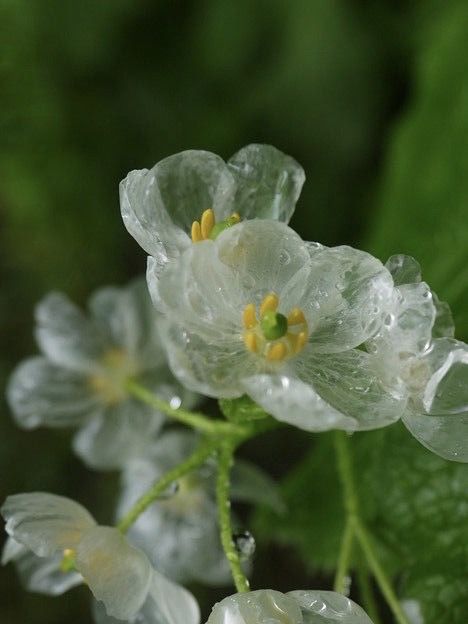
66	336
447	389
268	182
348	382
257	607
446	436
345	295
444	326
159	206
118	574
120	432
404	269
251	484
290	400
42	575
45	523
128	315
40	393
326	607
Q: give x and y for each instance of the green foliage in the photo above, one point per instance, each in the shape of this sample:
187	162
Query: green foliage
423	200
241	410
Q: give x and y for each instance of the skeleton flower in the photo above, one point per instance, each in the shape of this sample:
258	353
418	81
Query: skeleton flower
267	606
80	378
420	362
258	311
120	576
191	549
194	195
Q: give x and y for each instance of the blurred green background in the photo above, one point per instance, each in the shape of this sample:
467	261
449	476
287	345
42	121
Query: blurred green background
371	97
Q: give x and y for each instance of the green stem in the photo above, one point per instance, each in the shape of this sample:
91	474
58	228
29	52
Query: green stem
193	461
367	594
225	460
192	419
344	558
351	504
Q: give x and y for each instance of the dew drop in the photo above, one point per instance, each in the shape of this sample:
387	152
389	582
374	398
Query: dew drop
170	491
245	544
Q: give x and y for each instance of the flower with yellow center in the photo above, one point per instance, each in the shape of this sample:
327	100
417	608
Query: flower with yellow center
263	313
119	575
80	380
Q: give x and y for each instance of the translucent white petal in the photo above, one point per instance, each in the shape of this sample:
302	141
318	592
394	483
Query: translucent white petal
290	400
120	432
159	206
404	269
345	295
447	388
257	607
327	607
118	574
66	336
42	575
349	383
446	436
45	523
268	182
40	393
444	326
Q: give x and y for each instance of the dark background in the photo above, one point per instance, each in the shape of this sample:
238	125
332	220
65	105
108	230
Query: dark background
371	97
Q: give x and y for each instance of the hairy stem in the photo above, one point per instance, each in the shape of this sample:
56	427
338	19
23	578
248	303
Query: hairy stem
193	419
351	504
195	460
342	569
225	461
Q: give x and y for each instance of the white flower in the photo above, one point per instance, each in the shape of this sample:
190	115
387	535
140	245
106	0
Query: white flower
420	363
267	606
120	576
187	517
258	311
193	195
80	378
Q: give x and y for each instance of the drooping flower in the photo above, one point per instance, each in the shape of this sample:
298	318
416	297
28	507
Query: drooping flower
263	313
80	378
187	516
421	363
267	606
66	537
194	195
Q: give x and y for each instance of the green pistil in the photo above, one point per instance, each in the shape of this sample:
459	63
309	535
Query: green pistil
274	325
223	225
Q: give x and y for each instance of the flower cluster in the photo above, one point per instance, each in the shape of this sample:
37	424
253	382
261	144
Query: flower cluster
234	304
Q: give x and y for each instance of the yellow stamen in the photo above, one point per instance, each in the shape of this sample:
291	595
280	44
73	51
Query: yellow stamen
301	341
270	302
276	352
249	316
235	217
196	232
296	317
207	222
250	341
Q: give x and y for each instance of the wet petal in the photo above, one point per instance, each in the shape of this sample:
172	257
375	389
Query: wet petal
447	389
268	182
328	607
345	295
117	434
40	393
159	206
444	325
42	575
257	607
45	523
446	436
66	336
404	269
118	574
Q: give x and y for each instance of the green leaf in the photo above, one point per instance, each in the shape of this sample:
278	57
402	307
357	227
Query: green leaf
422	208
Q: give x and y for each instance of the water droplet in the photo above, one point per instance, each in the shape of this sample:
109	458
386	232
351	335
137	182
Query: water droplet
175	402
170	491
388	320
245	544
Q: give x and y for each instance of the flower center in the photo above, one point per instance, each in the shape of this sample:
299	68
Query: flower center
68	563
117	368
271	334
207	228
